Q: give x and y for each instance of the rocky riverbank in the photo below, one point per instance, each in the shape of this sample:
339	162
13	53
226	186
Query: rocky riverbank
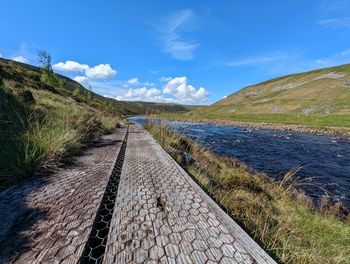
334	131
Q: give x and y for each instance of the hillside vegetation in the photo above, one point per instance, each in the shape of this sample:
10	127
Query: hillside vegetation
318	98
44	121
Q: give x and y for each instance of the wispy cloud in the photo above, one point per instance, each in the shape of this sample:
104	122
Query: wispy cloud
271	63
338	58
340	22
345	52
334	5
280	63
173	31
258	60
133	81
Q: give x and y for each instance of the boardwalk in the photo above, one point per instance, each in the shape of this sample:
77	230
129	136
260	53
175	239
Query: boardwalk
151	212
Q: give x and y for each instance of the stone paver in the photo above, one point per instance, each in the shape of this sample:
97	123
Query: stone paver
49	219
162	216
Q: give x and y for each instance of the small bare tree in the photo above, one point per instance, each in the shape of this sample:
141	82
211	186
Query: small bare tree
47	74
45	60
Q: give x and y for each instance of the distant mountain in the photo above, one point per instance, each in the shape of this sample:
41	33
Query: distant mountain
157	108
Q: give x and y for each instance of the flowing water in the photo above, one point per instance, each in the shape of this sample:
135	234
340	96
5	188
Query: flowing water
323	158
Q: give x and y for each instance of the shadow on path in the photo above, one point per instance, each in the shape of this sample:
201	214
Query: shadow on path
38	208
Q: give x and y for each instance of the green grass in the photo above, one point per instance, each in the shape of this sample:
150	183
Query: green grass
319	99
317	121
41	125
283	220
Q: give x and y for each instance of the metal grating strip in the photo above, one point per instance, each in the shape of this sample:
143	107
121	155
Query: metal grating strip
96	245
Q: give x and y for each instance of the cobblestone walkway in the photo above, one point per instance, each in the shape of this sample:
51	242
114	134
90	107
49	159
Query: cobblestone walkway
138	208
162	216
49	219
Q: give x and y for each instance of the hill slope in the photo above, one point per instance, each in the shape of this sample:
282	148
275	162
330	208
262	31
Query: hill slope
296	98
43	122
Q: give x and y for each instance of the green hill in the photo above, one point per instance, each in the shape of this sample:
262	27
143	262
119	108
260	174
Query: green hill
320	97
42	123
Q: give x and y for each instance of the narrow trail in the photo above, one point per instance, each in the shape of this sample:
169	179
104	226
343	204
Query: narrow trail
124	201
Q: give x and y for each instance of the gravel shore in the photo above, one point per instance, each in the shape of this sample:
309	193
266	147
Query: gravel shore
334	131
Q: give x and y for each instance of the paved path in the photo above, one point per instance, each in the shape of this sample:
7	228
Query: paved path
162	216
151	212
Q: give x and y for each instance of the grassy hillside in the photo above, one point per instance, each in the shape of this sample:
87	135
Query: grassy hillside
42	123
319	98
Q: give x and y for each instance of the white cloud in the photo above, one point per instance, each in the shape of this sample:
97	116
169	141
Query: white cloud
335	22
176	90
133	81
185	92
102	71
20	59
143	94
0	55
70	66
164	79
83	80
172	32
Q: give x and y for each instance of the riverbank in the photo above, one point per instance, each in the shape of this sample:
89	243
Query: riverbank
322	130
282	219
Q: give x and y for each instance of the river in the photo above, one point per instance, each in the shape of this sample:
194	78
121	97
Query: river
324	159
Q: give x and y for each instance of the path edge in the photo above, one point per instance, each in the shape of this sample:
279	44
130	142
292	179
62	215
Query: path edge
249	244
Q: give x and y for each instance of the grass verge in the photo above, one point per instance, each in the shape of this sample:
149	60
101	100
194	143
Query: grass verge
282	219
39	128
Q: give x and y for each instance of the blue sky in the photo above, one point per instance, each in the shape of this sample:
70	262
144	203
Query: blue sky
193	52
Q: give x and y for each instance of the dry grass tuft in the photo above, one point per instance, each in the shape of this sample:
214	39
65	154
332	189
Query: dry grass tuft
39	128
